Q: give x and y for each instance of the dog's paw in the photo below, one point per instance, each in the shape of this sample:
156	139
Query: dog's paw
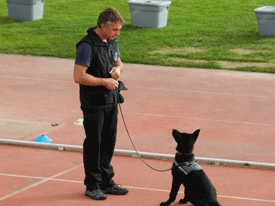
164	204
183	201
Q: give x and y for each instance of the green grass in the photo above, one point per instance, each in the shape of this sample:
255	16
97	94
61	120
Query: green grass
216	27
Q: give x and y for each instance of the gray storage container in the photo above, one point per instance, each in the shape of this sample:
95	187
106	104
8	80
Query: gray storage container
149	14
266	20
25	9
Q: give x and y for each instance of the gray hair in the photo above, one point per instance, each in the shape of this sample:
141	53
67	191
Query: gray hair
108	16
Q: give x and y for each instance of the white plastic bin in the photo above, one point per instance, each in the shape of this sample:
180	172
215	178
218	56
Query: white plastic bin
266	20
29	10
149	14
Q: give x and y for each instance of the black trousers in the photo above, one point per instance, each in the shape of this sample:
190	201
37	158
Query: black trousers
100	126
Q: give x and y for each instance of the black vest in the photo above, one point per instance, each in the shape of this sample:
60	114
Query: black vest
104	59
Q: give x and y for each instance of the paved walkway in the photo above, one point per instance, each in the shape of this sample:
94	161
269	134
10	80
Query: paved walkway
42	177
234	110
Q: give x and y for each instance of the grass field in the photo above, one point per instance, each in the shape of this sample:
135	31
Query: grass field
214	34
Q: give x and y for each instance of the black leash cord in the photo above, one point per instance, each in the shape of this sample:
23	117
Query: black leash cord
134	145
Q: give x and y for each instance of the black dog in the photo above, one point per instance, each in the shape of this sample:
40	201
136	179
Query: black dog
198	188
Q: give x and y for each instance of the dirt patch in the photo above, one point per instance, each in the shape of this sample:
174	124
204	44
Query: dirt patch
227	64
185	50
188	60
247	51
193	50
242	51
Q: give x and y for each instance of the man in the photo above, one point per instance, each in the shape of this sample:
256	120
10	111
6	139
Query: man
97	70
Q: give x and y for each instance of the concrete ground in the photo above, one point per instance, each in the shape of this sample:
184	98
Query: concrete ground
234	110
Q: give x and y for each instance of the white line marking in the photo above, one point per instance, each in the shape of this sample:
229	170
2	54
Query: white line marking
203	92
38	183
3	121
221	196
23	176
52	178
213	120
27	78
155	88
246	198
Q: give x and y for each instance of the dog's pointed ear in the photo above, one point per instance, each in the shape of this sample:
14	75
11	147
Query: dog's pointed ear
177	135
194	136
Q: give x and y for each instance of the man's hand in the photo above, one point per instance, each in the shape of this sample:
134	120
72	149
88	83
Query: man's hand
81	77
111	83
115	72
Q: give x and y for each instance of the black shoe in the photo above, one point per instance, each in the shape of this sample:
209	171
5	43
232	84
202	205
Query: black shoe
115	190
95	194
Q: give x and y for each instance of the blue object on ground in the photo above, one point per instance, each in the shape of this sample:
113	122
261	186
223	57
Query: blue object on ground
43	139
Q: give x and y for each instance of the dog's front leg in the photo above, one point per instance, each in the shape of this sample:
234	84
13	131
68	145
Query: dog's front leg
173	194
186	195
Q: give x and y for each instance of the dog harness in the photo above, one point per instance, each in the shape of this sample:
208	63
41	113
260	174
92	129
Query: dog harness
187	167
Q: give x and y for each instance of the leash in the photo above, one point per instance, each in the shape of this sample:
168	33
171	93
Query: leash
134	144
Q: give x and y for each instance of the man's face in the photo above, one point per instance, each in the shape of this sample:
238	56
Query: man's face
111	31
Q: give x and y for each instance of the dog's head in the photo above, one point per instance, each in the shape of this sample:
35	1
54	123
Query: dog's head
185	141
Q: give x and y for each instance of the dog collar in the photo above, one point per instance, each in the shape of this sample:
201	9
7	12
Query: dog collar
187	167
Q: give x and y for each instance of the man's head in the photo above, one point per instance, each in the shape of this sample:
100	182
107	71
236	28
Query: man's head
110	22
109	16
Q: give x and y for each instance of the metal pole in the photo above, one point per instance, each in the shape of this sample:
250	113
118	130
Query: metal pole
130	153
